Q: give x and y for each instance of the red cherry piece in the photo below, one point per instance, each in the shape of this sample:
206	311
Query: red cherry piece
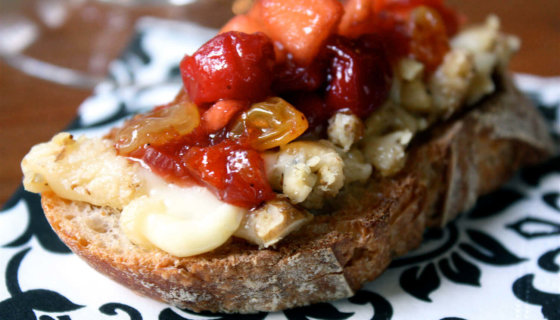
313	107
164	161
235	173
291	76
359	75
232	65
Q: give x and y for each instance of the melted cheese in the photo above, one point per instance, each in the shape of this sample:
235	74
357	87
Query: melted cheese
82	169
181	221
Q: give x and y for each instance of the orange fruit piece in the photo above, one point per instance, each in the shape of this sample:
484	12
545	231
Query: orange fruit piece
301	26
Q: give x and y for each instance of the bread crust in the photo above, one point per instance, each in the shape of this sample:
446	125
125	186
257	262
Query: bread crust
367	226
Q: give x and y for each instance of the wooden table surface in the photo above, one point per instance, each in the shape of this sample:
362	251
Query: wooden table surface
33	110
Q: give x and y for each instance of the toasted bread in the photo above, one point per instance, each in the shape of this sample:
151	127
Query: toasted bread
367	226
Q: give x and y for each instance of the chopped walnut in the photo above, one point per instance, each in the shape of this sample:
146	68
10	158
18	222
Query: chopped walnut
450	82
387	153
491	49
344	130
270	223
306	171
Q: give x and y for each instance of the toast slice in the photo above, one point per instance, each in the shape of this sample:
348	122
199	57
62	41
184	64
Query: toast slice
448	167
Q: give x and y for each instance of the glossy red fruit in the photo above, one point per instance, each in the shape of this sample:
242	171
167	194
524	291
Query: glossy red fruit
232	65
394	34
235	173
359	75
314	107
291	76
165	161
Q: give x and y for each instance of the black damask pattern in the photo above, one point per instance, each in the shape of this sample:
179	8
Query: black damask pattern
22	303
111	309
525	291
170	314
382	309
423	277
552	199
420	282
38	226
452	236
323	311
489	250
547	260
531	228
495	203
533	175
460	270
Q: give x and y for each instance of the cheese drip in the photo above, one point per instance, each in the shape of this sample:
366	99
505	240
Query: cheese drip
181	221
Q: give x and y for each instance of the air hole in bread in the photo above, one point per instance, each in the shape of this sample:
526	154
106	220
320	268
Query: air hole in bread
96	224
83	242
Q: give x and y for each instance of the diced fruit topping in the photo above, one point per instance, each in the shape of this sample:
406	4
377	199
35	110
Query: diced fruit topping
165	161
359	75
429	42
157	127
269	124
358	18
242	23
289	76
313	107
320	55
402	9
301	26
232	65
419	28
220	113
234	172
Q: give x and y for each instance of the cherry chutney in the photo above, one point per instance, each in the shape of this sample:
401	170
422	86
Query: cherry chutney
233	72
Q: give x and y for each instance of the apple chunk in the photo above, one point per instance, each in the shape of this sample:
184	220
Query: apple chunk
301	26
